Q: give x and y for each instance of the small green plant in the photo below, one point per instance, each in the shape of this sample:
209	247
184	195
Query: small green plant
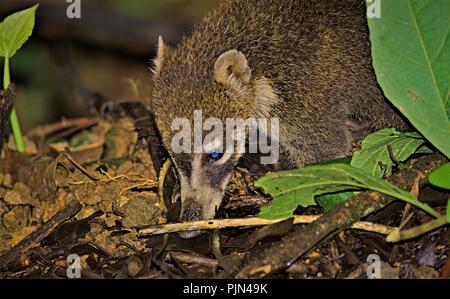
14	32
381	150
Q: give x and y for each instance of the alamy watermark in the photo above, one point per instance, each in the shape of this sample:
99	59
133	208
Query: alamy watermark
374	268
73	11
262	135
373	9
74	266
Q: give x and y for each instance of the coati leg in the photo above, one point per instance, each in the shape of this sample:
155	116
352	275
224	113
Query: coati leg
358	130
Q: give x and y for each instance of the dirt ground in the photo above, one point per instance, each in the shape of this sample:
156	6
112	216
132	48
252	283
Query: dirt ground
99	176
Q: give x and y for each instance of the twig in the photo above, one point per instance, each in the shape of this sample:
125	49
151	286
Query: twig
78	123
246	222
397	235
392	156
215	245
81	168
215	249
161	179
405	220
406	215
148	184
189	258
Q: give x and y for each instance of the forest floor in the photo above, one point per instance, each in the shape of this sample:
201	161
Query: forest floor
85	186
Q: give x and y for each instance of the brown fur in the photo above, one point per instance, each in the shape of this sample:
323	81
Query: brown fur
306	62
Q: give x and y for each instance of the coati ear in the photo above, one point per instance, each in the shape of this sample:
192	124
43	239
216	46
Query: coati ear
231	69
162	54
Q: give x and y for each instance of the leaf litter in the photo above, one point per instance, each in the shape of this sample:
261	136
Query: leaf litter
107	168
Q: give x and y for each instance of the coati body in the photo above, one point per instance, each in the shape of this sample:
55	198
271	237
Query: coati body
306	62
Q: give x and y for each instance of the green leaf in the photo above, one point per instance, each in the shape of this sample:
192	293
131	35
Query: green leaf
332	200
448	211
374	157
284	205
411	58
440	177
15	30
299	187
423	149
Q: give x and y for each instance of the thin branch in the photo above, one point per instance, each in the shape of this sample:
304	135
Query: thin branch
162	177
248	222
78	123
79	166
398	235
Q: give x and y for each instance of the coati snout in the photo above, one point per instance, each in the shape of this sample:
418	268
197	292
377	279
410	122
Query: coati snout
203	188
306	63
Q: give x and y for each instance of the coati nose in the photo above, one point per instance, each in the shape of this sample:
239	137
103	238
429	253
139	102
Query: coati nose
191	211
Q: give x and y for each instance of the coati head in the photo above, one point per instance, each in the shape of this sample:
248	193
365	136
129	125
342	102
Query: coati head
220	86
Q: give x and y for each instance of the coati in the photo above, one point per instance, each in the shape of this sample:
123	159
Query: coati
306	62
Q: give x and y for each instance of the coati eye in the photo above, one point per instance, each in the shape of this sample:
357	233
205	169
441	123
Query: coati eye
215	155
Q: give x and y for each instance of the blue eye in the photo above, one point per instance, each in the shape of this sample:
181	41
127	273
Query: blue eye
215	155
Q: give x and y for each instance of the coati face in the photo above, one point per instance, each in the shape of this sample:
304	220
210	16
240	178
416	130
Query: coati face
220	89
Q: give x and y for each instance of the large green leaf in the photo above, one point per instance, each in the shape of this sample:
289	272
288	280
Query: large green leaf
299	187
440	177
448	211
411	57
374	156
15	30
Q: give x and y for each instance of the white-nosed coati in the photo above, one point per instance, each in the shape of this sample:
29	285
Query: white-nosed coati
306	62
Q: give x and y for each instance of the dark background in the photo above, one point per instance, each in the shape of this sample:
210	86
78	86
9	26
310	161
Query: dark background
108	50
